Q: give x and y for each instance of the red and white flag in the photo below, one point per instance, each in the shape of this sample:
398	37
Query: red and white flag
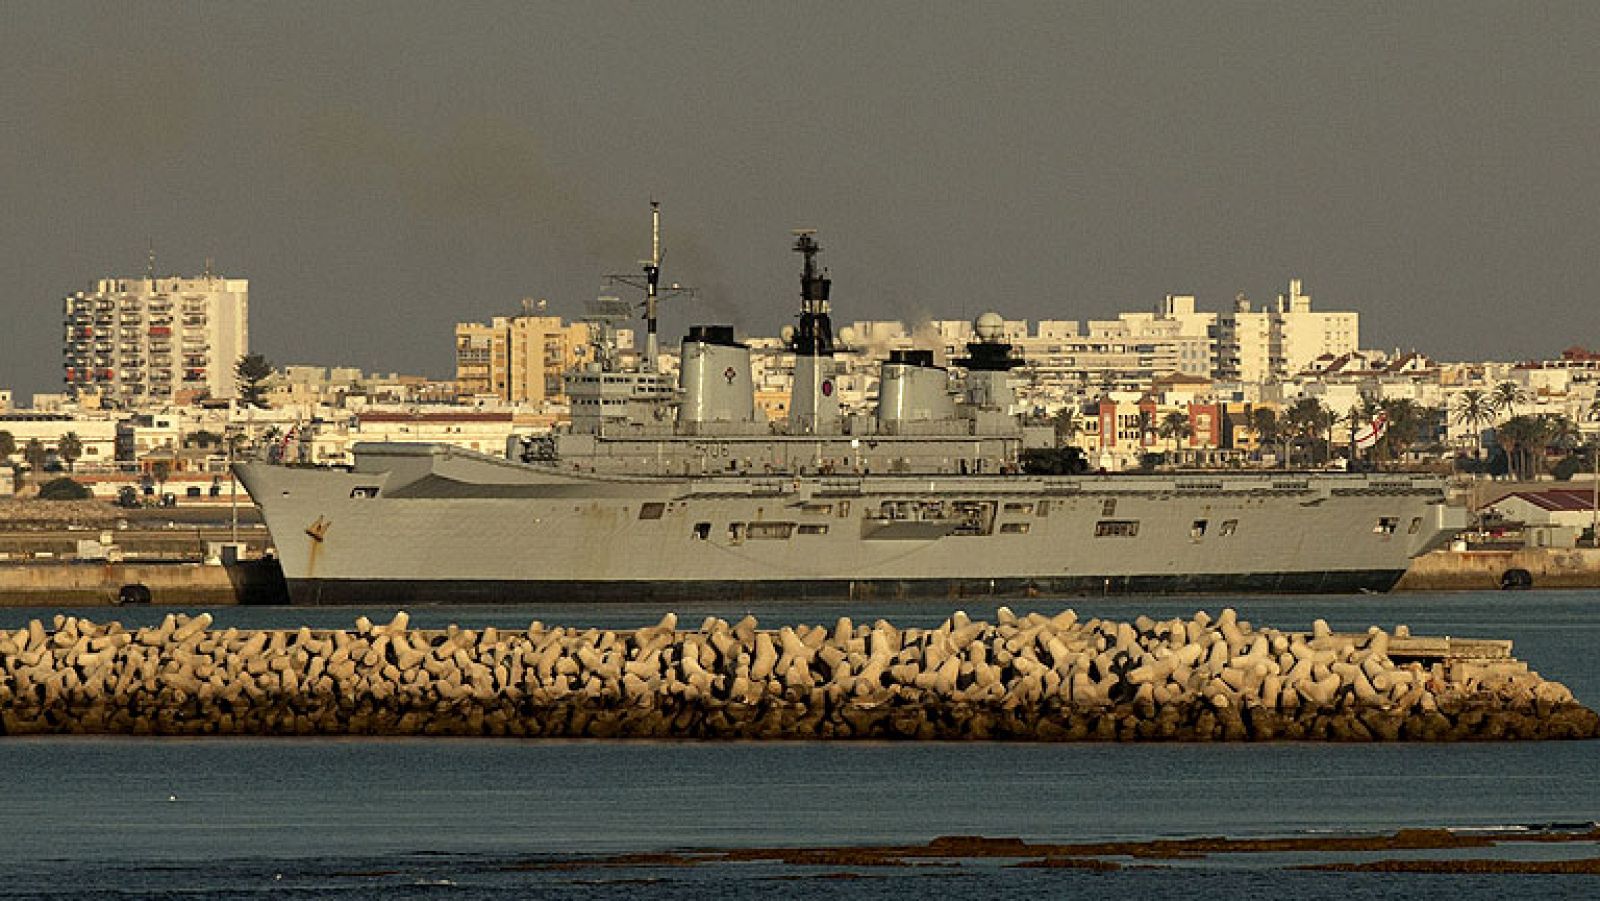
1371	433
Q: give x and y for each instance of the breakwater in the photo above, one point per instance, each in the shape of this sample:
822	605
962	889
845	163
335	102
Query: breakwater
1026	677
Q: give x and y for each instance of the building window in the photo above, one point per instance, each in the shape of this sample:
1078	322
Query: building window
1109	507
1014	528
702	531
1228	527
364	491
652	510
813	529
1416	525
1116	528
1386	525
1198	529
1019	508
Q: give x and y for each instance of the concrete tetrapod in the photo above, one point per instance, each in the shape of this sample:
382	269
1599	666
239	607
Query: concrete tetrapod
1024	676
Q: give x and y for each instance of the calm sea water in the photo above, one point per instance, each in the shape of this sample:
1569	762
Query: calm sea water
458	818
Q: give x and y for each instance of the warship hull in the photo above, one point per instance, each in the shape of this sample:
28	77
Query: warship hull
415	524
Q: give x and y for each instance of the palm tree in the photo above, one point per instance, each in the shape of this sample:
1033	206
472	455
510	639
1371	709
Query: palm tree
161	469
1404	419
70	448
1475	409
1507	395
1175	427
36	455
1525	440
1147	424
1310	422
1263	423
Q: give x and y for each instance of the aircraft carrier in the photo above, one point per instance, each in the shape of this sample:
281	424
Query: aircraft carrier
664	490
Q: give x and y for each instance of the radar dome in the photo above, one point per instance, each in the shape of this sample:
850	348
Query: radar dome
989	326
787	334
847	336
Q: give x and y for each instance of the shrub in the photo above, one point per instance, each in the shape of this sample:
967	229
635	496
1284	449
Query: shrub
64	489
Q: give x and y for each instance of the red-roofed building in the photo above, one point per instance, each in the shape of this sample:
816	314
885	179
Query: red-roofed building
1553	506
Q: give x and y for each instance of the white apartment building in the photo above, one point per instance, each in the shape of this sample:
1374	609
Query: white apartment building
138	341
1260	345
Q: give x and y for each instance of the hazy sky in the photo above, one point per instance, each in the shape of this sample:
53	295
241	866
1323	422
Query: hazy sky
380	172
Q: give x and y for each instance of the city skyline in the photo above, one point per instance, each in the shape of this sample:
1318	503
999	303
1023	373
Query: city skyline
382	178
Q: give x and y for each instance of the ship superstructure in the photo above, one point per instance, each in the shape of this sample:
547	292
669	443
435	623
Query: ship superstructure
684	490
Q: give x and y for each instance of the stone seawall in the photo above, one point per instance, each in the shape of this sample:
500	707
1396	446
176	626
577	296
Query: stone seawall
1030	677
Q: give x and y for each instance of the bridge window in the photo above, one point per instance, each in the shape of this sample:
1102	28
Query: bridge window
769	531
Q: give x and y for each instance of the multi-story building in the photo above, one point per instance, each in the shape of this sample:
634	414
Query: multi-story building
1261	345
517	359
136	341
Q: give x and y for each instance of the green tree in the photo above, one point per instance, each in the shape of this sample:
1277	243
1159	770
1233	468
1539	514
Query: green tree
8	445
252	371
1067	425
35	454
64	489
70	448
203	439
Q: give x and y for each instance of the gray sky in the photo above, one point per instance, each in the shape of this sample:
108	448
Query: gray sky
380	172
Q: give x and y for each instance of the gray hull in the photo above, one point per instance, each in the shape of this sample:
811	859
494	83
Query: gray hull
426	524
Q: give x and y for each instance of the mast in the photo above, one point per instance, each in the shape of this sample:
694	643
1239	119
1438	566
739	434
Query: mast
652	280
814	335
813	401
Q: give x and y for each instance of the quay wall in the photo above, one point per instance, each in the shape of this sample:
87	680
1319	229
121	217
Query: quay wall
90	584
1447	570
1021	677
